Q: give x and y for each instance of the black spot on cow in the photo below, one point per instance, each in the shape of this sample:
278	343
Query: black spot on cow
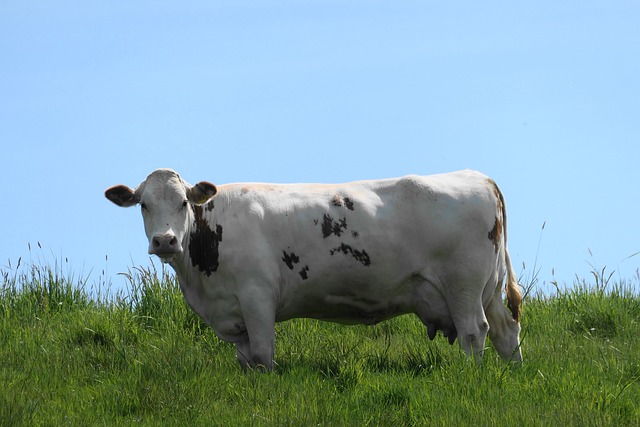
355	234
303	272
209	206
360	256
329	226
290	259
338	201
348	203
204	243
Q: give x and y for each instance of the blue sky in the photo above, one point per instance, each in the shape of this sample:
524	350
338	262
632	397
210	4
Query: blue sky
542	96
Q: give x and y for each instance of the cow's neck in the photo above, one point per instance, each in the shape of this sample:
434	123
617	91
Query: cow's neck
190	282
200	251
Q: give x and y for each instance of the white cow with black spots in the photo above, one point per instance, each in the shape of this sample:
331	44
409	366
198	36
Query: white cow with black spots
250	255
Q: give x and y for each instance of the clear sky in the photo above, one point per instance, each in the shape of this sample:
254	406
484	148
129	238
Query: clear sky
543	96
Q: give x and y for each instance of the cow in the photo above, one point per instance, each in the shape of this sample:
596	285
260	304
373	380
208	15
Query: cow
249	255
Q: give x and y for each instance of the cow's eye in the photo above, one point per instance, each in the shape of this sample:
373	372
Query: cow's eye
185	203
143	206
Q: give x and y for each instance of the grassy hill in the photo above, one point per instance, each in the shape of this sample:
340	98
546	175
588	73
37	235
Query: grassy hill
70	359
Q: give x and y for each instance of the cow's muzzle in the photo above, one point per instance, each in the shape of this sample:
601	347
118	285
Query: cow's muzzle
165	245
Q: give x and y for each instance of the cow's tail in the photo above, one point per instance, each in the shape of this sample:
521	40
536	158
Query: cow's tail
514	297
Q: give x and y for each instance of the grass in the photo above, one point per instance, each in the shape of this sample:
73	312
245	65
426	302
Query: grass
68	358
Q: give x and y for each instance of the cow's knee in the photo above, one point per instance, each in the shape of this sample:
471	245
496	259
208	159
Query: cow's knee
262	355
472	337
255	356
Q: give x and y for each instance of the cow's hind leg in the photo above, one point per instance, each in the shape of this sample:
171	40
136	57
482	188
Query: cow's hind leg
472	327
505	331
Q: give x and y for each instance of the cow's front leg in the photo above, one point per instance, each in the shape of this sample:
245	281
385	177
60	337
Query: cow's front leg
257	349
243	353
256	352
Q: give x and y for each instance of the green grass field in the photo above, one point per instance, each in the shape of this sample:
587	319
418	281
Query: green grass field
70	359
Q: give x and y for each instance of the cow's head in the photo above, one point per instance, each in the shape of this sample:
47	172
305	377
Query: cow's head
164	199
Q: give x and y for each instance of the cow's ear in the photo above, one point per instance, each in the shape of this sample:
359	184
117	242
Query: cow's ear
201	192
122	195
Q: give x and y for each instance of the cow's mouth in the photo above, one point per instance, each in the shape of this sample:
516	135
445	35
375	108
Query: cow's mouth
166	258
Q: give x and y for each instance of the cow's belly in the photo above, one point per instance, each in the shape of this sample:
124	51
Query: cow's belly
347	309
349	302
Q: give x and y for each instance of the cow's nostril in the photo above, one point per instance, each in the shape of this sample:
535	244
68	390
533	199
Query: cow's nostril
156	242
173	241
